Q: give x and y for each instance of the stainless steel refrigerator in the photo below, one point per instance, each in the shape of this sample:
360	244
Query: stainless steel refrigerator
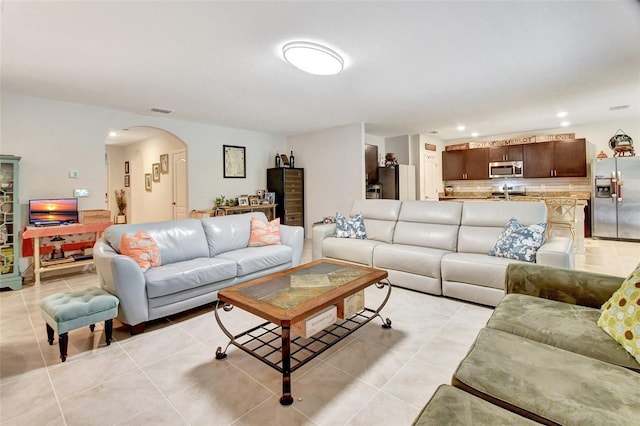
616	198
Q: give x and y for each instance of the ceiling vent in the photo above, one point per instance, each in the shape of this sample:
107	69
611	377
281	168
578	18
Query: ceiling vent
434	132
162	110
617	107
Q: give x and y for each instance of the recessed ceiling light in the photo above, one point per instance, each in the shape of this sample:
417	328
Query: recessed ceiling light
565	123
112	133
312	58
460	128
475	134
562	114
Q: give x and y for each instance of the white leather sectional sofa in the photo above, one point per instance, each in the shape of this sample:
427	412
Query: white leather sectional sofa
440	247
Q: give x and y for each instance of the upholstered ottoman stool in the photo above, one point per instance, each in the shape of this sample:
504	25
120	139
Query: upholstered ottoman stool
64	312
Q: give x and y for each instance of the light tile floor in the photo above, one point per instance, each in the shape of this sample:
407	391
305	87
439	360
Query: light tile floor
168	374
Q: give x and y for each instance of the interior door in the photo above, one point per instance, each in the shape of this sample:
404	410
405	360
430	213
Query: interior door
180	184
430	176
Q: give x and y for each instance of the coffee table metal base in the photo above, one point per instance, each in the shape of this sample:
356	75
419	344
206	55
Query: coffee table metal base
272	343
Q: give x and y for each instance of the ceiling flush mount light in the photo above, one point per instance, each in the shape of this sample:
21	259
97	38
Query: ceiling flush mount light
313	58
112	133
460	128
562	114
475	134
565	123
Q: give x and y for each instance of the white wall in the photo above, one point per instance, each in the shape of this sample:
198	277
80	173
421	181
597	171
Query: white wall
54	137
333	160
142	205
399	145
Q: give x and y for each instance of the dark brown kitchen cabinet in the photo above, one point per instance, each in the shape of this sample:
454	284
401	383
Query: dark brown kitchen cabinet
505	153
564	158
470	164
288	185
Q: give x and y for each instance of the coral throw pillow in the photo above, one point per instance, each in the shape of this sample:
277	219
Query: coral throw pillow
620	316
264	233
141	248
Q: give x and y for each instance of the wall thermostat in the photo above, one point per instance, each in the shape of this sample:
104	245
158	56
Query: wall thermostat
80	192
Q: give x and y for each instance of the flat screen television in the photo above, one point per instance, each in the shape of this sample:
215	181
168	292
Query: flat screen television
53	210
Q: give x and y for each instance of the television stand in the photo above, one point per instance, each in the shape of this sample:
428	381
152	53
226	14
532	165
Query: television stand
49	231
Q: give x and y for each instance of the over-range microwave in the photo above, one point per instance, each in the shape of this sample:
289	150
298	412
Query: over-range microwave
505	169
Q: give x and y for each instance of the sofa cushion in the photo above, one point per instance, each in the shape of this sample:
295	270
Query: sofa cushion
429	224
264	233
141	248
228	233
479	269
620	316
482	222
412	259
254	259
518	241
177	240
179	276
452	406
563	325
379	216
546	383
350	250
350	228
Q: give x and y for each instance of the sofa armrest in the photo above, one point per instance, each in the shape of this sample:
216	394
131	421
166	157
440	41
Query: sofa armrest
121	276
564	285
558	252
293	236
320	232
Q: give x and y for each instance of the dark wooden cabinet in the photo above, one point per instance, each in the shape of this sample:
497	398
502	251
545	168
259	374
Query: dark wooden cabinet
505	153
565	158
288	185
371	163
470	164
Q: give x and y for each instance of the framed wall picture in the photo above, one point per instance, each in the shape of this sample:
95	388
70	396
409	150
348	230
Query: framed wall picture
164	164
126	167
147	181
270	197
127	181
235	162
155	168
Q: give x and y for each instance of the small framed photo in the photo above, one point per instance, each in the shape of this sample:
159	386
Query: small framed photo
127	181
270	197
253	200
155	167
164	164
243	201
235	162
147	181
126	167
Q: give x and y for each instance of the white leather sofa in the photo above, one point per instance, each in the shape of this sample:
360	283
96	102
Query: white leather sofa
440	247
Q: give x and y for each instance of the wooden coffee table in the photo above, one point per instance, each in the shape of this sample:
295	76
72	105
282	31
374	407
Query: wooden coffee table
286	297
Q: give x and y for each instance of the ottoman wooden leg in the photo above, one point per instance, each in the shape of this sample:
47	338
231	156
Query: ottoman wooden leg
92	327
108	330
50	334
63	340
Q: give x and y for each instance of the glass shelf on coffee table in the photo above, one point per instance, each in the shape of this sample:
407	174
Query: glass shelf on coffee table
287	297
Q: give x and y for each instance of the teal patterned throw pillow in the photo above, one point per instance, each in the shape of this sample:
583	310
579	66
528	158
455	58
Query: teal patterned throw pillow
519	242
353	228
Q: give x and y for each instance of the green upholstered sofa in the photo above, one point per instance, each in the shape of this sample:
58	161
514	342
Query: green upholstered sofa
543	356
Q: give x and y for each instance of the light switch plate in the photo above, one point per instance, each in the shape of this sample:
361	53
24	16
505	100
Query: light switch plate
81	192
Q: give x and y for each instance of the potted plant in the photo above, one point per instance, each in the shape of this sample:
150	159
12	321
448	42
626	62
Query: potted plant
121	202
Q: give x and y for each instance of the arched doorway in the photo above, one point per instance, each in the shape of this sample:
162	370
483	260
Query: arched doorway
141	161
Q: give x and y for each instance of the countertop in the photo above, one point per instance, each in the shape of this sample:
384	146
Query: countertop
533	195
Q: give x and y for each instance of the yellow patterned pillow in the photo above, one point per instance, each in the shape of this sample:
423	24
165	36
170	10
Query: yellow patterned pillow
620	316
